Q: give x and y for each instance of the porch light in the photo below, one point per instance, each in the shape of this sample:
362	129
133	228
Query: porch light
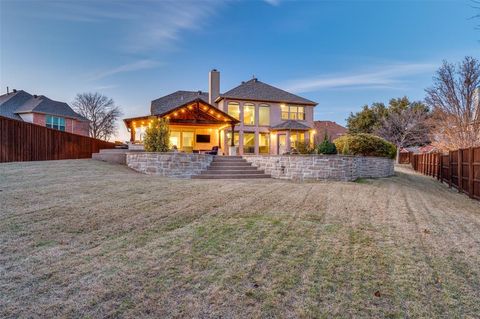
175	114
190	107
168	117
182	110
314	132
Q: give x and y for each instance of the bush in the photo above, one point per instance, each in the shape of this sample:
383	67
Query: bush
326	147
157	136
304	148
365	144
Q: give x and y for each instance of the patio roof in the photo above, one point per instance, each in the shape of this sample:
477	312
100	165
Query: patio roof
291	125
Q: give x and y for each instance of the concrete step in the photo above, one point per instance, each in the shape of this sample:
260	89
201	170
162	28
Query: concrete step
213	164
229	162
112	157
232	172
230	176
112	151
228	157
234	168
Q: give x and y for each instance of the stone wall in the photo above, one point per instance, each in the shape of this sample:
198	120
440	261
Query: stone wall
322	167
180	165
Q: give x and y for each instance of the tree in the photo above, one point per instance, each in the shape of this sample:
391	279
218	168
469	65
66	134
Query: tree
454	101
406	127
157	136
101	111
326	147
367	120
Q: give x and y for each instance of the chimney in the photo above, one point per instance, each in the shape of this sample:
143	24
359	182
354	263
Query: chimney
213	86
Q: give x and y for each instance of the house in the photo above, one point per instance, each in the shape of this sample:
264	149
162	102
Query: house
254	117
39	109
332	129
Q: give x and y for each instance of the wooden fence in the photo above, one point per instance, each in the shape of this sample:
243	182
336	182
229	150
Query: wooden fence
459	169
405	157
22	141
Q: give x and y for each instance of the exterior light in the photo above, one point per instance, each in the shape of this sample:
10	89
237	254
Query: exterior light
175	114
183	111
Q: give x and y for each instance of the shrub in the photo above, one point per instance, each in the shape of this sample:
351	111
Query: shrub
326	147
157	136
365	144
304	148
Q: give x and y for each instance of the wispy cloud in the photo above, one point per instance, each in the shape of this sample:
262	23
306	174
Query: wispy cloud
388	76
273	2
130	67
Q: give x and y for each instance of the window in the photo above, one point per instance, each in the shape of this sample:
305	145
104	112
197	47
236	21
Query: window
233	110
264	143
54	122
248	143
292	112
203	138
236	138
175	140
264	115
248	114
296	137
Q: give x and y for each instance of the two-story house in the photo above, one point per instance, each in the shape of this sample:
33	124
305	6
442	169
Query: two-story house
255	117
40	110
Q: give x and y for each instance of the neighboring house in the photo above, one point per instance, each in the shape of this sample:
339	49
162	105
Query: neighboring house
22	106
263	119
332	129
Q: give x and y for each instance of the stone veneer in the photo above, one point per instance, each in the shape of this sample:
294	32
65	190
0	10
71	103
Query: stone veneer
180	165
322	167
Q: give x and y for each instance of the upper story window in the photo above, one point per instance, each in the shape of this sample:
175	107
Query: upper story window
233	109
55	122
264	115
248	114
290	112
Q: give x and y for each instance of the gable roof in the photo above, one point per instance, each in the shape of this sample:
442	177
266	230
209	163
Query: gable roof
332	129
18	102
9	103
258	91
171	101
290	125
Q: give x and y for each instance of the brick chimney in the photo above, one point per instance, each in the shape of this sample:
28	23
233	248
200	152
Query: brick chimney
213	86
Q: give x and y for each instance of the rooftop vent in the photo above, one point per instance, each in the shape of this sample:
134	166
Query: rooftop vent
199	92
35	96
14	90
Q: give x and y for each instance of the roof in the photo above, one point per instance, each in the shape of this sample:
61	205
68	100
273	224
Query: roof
17	102
9	103
42	104
258	91
169	102
332	129
290	125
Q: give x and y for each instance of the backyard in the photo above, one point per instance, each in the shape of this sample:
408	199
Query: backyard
80	238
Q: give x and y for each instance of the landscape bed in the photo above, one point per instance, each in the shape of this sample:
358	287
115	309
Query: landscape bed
82	238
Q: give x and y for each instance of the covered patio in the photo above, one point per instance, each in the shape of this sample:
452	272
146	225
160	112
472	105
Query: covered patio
195	127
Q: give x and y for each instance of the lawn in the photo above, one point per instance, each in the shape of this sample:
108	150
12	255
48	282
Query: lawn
90	239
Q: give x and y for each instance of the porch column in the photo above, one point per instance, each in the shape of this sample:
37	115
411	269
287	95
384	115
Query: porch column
287	137
132	134
232	143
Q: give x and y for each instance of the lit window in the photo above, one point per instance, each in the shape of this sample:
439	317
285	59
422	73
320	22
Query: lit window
264	143
55	122
284	110
264	115
248	143
292	112
248	114
234	110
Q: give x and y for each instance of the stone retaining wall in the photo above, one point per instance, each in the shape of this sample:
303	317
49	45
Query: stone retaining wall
180	165
322	167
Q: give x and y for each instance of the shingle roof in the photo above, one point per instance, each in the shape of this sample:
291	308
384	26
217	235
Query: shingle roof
43	104
332	129
259	91
169	102
9	103
290	125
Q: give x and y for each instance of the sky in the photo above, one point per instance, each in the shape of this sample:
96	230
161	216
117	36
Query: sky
341	54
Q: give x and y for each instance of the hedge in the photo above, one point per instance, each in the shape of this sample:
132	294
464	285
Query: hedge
366	145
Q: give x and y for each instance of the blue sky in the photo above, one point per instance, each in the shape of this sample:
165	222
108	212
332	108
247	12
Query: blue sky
342	54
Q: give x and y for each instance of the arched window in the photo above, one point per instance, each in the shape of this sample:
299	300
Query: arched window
233	109
264	115
248	114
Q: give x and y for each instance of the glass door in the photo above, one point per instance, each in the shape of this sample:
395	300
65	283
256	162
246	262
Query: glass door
282	144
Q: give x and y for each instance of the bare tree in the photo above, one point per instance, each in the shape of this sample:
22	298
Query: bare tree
406	127
455	103
101	111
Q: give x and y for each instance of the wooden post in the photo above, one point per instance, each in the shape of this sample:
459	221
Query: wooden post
440	167
450	169
132	134
459	169
470	172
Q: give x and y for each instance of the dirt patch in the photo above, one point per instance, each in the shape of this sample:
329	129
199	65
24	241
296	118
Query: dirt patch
84	238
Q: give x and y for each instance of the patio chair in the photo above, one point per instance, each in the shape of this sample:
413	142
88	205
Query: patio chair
214	151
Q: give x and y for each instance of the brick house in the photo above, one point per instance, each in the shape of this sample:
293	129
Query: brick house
332	129
254	118
40	110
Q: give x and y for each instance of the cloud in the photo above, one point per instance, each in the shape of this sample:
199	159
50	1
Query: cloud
130	67
389	76
272	2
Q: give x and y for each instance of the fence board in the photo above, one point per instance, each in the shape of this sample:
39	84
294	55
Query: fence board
459	168
22	141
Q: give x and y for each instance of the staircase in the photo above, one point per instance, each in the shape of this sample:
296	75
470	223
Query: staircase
232	167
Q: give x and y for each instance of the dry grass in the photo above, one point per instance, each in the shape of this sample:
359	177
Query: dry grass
91	239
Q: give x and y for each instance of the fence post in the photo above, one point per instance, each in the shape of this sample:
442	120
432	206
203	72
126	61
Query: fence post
459	169
440	167
450	169
470	172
